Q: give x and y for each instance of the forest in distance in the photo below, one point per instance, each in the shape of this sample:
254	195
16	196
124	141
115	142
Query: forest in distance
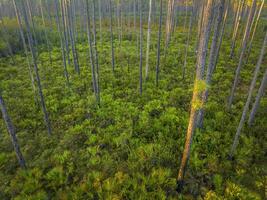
133	99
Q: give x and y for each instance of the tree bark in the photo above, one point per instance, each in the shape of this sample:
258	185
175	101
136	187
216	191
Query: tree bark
36	70
158	48
111	37
148	38
66	74
48	45
246	107
141	49
243	51
94	78
212	60
12	133
25	47
196	105
258	99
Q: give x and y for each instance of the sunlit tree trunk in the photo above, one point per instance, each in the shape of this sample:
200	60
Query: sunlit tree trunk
196	100
246	107
243	51
148	38
12	133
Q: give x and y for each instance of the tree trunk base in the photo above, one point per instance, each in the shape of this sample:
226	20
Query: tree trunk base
179	186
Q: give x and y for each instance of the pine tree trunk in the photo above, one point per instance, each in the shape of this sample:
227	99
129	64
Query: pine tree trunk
258	98
222	34
25	47
96	54
100	20
32	21
94	78
66	74
111	37
212	59
236	27
246	107
36	70
243	51
12	133
45	33
65	31
195	104
148	38
158	48
71	33
254	30
141	49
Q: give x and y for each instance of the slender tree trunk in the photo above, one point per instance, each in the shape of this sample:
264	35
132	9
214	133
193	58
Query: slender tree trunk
243	51
12	133
236	27
258	98
96	54
168	24
212	59
111	37
254	30
45	33
135	29
199	26
65	31
201	60
100	20
246	107
158	50
24	46
66	74
222	34
141	48
32	21
148	38
71	32
36	70
94	78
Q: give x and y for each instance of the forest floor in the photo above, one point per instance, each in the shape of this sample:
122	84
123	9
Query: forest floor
130	147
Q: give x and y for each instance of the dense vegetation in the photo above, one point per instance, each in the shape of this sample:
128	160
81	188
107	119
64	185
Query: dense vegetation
107	140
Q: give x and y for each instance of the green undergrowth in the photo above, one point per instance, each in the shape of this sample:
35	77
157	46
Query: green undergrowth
129	147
